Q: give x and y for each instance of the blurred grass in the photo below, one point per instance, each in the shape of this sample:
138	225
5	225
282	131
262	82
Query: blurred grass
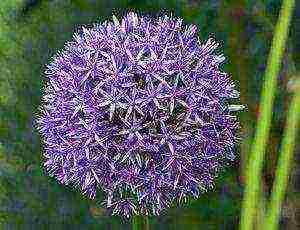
29	36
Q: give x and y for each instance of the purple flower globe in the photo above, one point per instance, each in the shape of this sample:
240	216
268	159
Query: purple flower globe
139	109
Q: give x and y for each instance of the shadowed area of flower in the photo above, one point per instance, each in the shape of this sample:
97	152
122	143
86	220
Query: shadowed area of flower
139	109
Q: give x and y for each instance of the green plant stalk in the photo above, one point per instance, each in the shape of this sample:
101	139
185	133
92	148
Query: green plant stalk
254	167
283	165
140	222
146	223
135	223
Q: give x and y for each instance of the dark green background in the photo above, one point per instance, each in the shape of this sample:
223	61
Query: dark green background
32	31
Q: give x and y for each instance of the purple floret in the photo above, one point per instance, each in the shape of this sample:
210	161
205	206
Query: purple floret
138	109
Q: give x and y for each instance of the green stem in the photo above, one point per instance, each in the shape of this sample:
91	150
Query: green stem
140	222
254	167
135	223
283	165
146	223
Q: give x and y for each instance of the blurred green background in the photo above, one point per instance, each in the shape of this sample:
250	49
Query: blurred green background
31	31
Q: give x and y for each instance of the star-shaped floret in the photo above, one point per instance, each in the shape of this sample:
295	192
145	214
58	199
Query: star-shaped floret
170	136
151	95
133	102
111	99
132	128
175	94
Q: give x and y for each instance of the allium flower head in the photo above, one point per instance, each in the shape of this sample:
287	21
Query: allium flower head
139	109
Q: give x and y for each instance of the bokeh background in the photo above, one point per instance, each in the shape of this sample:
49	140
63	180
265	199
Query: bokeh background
31	31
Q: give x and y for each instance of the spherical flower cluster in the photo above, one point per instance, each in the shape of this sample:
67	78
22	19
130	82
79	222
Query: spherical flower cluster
139	109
